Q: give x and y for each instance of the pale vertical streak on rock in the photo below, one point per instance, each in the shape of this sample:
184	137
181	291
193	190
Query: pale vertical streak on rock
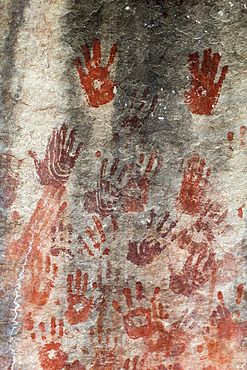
40	59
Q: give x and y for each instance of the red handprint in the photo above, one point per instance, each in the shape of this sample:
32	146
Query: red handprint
140	322
146	323
51	356
192	195
204	92
59	161
76	315
152	244
225	334
133	119
96	82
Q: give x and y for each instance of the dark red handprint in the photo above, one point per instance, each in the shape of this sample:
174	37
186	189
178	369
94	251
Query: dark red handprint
96	82
133	120
152	244
59	161
74	314
192	195
204	92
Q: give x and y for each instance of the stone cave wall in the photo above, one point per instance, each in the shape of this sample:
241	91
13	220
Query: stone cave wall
123	201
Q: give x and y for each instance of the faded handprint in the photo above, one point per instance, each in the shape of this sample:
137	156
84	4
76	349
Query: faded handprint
241	140
96	82
192	195
97	239
51	356
138	364
128	187
79	306
133	120
204	92
59	161
42	277
197	270
105	352
153	243
225	333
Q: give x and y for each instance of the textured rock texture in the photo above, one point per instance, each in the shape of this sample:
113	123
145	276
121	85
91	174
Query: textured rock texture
123	184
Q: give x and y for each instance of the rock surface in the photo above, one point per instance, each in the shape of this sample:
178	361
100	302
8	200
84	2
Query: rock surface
123	177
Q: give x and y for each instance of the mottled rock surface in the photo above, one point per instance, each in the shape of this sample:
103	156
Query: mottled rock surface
123	184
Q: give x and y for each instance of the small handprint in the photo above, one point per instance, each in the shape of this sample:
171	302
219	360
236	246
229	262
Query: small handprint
133	120
97	239
42	277
96	82
153	243
242	140
192	195
79	306
197	270
225	333
61	238
59	161
105	352
204	92
51	356
128	187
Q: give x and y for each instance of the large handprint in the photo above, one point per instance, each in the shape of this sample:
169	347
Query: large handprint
59	161
96	82
204	92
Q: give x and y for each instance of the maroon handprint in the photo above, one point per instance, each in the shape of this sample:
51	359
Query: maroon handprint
204	92
59	161
133	120
198	269
96	82
153	243
128	187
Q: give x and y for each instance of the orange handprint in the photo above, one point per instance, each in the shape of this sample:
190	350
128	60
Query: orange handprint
96	82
